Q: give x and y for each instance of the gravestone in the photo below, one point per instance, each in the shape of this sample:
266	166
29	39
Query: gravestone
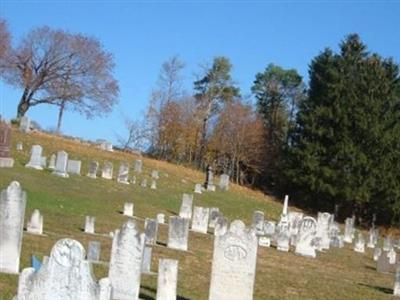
19	146
6	161
43	161
94	249
208	184
387	243
35	224
197	188
93	167
377	253
336	238
126	262
349	230
146	261
359	245
186	206
65	275
305	245
89	224
128	209
283	235
221	226
392	256
35	161
12	213
383	265
178	233
155	175
52	162
224	182
269	232
123	173
143	184
61	164
294	221
160	218
258	222
214	215
396	290
200	219
373	237
133	180
323	222
167	280
107	171
234	264
138	166
25	124
74	167
153	185
151	229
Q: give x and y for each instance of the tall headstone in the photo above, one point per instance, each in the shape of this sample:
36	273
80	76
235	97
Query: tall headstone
93	167
305	240
35	161
126	262
294	220
324	221
25	124
167	280
258	222
373	237
200	219
123	173
178	233
65	275
392	256
52	162
197	188
94	249
377	253
89	224
146	261
6	161
234	264
128	209
74	167
349	230
186	206
209	184
359	245
224	182
61	164
107	172
151	229
283	235
138	166
35	224
12	213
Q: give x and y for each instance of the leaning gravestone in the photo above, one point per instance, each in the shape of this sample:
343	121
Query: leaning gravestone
35	161
107	172
126	262
52	163
6	161
138	166
93	166
35	224
89	224
178	233
258	222
25	124
224	182
74	167
186	206
167	280
150	231
65	275
200	219
61	164
305	240
234	264
123	173
94	251
12	213
128	209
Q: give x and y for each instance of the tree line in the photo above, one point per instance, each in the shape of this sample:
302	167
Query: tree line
333	142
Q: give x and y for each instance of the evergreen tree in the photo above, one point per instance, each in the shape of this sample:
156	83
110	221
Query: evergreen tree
346	146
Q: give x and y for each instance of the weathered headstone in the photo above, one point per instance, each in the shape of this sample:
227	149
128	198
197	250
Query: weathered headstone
214	215
133	180
305	240
200	219
89	224
151	229
123	173
269	232
126	262
377	253
107	171
74	167
35	224
283	235
128	209
234	264
61	164
52	162
146	261
221	226
143	184
197	188
258	222
19	146
138	166
387	243
186	206
35	161
178	233
160	218
373	237
6	161
224	182
155	175
209	184
324	220
383	265
65	275
93	167
94	249
12	213
349	230
294	221
25	124
167	280
392	256
153	185
359	245
43	161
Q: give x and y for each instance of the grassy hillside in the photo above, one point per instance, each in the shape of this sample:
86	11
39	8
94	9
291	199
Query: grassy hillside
336	274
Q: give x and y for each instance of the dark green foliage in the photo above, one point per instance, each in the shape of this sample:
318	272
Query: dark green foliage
346	147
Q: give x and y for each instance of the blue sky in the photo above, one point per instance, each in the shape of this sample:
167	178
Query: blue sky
142	35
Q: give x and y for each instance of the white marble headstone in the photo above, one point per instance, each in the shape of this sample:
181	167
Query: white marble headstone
35	224
167	280
35	161
178	233
200	219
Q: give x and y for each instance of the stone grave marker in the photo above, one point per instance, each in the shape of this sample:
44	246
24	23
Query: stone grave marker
186	206
35	224
89	224
133	180
200	219
12	213
167	280
283	235
197	188
160	218
324	220
349	230
305	245
359	245
153	185
377	253
387	243
107	172
178	233
373	237
52	162
25	124
258	222
61	164
383	265
214	215
392	256
123	173
224	182
138	166
6	161
93	167
19	146
146	261
74	167
208	184
94	249
151	229
396	290
155	175
143	184
221	226
35	162
128	209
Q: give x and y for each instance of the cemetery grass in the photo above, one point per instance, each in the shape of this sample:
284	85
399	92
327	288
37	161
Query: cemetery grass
336	274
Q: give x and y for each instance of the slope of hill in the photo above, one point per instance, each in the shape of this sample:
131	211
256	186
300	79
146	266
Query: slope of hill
336	274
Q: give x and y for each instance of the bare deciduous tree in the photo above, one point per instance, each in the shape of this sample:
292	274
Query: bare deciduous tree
4	43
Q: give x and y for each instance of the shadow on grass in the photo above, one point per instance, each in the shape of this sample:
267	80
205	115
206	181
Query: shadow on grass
154	291
378	288
174	213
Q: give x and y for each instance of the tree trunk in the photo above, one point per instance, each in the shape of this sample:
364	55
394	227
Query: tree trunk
60	116
23	104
